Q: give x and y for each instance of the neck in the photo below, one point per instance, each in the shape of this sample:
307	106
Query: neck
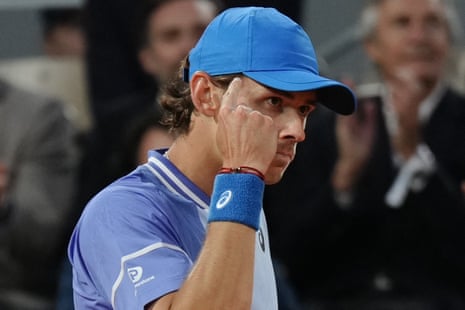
195	160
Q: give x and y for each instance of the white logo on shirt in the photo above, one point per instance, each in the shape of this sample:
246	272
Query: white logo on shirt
224	199
135	273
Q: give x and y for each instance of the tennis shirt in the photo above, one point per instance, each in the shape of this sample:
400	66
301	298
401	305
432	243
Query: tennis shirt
138	239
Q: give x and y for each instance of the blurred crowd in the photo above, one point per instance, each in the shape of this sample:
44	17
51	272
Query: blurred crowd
370	214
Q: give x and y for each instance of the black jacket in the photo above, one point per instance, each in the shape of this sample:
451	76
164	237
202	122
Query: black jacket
372	250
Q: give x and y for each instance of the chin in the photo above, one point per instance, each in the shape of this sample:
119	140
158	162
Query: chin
274	174
426	73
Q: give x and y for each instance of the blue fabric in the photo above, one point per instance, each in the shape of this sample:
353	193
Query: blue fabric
237	197
136	241
139	238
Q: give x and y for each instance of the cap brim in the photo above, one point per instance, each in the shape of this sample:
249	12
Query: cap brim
334	95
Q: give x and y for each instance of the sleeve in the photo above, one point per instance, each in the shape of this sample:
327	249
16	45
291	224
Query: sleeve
42	185
127	254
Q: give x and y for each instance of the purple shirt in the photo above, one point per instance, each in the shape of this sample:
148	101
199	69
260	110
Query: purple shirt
138	239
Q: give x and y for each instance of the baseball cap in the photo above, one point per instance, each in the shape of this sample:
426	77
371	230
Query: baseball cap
270	48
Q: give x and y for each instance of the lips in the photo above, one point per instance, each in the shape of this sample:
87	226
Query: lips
421	53
285	155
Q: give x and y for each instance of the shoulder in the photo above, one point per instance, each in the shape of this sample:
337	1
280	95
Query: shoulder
132	198
451	106
453	98
31	105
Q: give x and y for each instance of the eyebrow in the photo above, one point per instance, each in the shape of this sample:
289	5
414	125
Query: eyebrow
290	95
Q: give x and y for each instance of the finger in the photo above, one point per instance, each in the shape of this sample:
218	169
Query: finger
230	97
244	108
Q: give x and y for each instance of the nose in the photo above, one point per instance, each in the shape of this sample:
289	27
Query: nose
293	126
419	32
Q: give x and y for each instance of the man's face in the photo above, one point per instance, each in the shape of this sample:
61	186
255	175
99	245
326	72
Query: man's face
65	40
411	37
289	111
174	29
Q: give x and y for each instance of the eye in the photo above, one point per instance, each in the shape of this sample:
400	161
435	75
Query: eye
170	35
434	23
401	21
275	101
305	110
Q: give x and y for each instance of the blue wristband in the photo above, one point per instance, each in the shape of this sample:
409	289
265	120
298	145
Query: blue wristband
237	197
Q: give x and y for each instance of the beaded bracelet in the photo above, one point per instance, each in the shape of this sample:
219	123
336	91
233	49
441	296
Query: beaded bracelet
243	169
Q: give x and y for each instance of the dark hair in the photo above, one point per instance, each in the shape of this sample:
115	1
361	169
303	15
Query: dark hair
132	138
52	18
175	99
148	7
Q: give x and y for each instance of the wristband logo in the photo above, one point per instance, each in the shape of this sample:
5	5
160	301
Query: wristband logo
224	199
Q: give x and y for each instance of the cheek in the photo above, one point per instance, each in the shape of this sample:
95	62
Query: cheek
443	48
167	54
387	52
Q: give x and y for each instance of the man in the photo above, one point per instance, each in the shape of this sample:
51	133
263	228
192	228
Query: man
169	30
126	122
381	207
63	33
187	229
38	161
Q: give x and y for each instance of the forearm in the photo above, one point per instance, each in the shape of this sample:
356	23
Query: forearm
223	275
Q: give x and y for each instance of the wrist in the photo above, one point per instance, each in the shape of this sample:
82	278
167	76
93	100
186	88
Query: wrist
243	169
237	197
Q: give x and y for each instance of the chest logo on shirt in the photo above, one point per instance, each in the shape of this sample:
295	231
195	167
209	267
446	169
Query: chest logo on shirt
135	273
224	199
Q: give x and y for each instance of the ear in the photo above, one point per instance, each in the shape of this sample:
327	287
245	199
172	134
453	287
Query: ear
203	94
147	61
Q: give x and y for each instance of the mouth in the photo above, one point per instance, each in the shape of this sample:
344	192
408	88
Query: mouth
285	156
422	54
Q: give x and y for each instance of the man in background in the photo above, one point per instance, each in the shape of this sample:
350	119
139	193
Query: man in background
381	210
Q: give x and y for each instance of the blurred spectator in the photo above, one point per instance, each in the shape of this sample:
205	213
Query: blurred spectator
59	72
373	202
292	9
63	33
165	32
145	133
38	158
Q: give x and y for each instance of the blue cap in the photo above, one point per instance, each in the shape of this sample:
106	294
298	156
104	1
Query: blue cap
271	49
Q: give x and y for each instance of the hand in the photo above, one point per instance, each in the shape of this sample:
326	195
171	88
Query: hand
406	96
3	183
355	136
245	137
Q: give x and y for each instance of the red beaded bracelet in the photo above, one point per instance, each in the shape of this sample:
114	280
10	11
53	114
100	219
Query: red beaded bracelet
243	169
